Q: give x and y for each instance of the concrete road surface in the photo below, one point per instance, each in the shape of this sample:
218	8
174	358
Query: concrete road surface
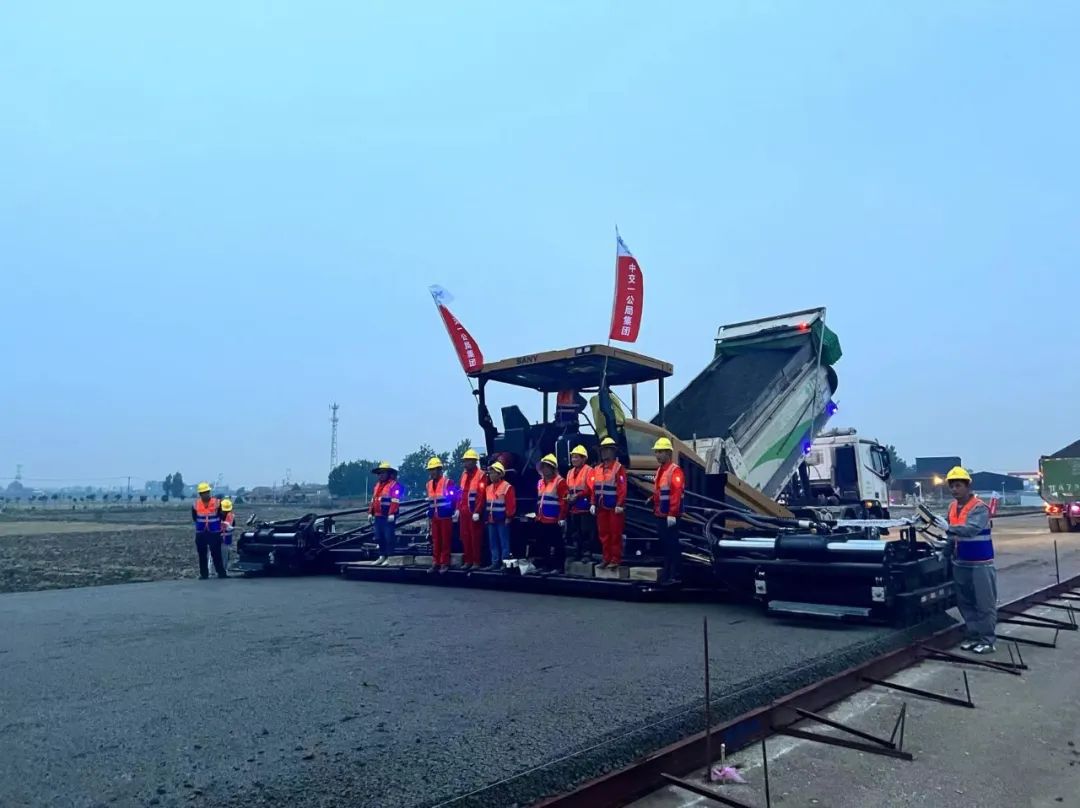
318	691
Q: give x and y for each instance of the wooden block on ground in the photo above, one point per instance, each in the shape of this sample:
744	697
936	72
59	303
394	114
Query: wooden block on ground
400	561
645	573
580	569
423	561
616	573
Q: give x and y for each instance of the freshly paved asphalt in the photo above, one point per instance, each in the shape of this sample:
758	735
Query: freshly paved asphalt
319	691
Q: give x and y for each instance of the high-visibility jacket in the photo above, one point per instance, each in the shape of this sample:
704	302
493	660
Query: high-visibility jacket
609	485
500	502
668	490
442	498
970	527
227	526
207	515
551	500
579	487
386	498
566	407
472	491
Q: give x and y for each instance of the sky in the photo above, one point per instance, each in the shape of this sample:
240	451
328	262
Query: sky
217	218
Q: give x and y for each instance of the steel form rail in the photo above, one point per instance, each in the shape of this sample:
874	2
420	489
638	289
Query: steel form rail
653	772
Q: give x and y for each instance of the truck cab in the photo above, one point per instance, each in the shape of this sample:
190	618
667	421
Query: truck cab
1059	486
843	472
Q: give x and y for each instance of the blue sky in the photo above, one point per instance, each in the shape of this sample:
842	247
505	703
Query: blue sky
217	218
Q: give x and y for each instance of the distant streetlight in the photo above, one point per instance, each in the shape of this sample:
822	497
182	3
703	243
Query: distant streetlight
938	480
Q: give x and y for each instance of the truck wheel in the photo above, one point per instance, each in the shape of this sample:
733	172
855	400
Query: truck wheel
1072	525
1055	525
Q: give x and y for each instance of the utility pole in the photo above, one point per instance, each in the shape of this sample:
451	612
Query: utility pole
18	472
333	435
129	486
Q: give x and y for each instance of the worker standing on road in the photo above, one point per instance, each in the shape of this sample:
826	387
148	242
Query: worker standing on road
442	510
385	503
551	512
500	505
667	508
207	516
972	552
470	509
609	491
228	521
580	524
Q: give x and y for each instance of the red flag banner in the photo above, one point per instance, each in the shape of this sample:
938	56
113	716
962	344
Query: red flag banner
629	295
468	352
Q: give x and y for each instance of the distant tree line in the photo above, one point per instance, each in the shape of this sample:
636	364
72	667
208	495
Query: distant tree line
354	478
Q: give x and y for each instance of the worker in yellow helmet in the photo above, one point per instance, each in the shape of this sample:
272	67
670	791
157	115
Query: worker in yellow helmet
580	523
667	498
974	574
470	509
609	502
442	510
228	522
551	512
206	514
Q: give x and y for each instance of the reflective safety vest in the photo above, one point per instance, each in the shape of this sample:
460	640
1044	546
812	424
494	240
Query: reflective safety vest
440	498
472	484
549	505
606	484
227	526
386	498
579	483
495	501
207	519
667	494
566	407
970	549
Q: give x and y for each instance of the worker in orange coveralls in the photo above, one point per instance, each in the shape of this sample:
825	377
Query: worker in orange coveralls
470	509
609	503
667	499
442	499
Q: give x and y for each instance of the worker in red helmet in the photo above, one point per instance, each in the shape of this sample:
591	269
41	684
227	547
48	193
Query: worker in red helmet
580	524
442	508
551	512
470	510
667	498
609	503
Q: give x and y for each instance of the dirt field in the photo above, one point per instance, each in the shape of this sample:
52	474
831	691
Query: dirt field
42	550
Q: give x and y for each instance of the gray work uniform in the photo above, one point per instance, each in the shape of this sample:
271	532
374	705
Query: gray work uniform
973	569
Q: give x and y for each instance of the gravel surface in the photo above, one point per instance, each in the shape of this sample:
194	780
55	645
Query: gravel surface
316	691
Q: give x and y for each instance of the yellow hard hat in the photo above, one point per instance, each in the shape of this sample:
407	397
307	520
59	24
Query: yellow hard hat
434	463
958	473
497	466
470	454
608	441
203	488
551	460
383	466
579	450
226	504
662	444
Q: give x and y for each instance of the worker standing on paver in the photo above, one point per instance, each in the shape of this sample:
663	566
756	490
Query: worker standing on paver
207	516
609	502
228	522
385	503
470	510
667	499
581	523
974	574
551	512
442	509
500	506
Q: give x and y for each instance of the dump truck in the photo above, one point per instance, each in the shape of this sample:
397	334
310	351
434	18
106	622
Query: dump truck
1059	486
756	407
